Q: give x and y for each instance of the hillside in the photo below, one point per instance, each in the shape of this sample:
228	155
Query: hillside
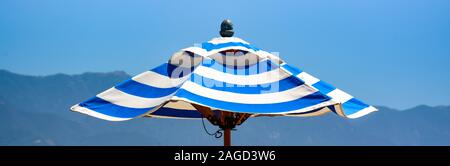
34	110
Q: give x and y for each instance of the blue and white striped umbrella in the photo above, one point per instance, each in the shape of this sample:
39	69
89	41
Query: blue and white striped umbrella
226	74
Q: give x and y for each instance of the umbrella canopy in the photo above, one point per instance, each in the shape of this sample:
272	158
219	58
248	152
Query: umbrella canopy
223	74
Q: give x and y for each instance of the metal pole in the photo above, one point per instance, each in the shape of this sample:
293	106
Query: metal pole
227	137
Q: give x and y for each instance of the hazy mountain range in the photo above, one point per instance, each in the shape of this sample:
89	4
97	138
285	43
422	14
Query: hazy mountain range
34	110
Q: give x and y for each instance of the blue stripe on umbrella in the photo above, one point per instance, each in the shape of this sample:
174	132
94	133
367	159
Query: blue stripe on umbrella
210	46
353	105
104	107
278	86
306	101
168	70
323	87
257	68
137	89
295	71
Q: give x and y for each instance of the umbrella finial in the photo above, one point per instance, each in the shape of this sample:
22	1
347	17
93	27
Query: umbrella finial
226	28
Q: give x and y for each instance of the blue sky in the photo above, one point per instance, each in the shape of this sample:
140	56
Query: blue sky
387	52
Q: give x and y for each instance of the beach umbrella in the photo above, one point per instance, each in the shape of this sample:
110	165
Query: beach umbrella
225	80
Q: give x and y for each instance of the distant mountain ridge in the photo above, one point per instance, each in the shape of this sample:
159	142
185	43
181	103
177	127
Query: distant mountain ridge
34	110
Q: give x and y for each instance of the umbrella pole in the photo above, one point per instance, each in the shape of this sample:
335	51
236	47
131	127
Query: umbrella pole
227	137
